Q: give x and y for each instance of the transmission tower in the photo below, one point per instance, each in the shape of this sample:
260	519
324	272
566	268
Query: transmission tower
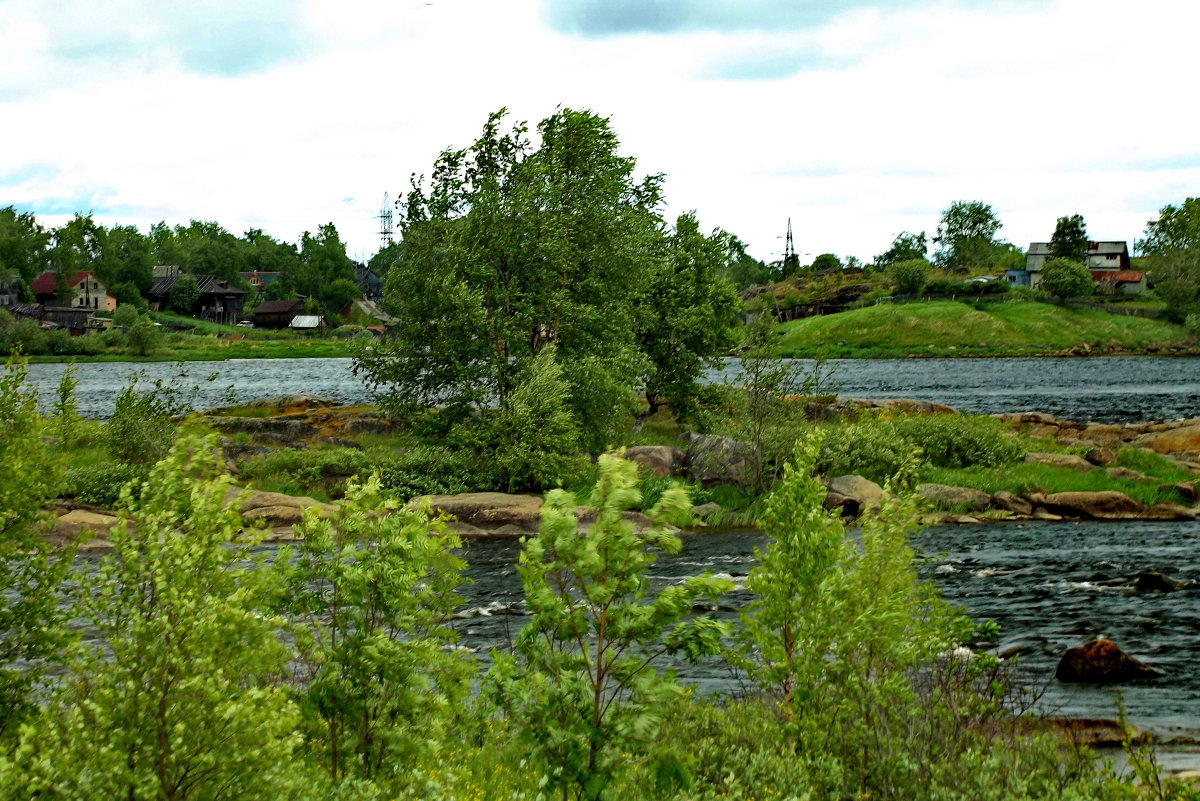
386	228
791	262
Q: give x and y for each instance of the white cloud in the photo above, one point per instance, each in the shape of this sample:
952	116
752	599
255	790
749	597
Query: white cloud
1043	109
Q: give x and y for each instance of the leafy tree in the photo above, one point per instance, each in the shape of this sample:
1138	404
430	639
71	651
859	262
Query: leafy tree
1173	244
1064	278
127	294
261	252
125	315
826	261
323	261
1070	240
338	293
184	294
76	246
742	269
910	276
966	235
509	249
23	245
205	248
381	263
905	246
31	572
144	336
369	592
688	318
580	687
181	701
126	257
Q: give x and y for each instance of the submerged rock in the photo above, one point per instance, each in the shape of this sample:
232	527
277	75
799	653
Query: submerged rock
852	494
1101	662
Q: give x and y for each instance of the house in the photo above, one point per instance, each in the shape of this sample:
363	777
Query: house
1125	282
307	322
370	283
10	291
83	290
1101	257
277	313
259	281
219	300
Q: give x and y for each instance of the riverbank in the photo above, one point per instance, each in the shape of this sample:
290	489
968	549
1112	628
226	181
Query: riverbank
955	329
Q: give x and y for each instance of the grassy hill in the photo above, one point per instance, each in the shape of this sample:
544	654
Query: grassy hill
951	328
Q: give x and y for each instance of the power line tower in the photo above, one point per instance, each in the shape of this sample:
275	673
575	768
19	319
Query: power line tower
386	228
791	262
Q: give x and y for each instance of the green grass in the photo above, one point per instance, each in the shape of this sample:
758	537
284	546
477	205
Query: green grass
1027	477
944	327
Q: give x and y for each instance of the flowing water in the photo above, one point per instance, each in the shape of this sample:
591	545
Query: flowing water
1108	388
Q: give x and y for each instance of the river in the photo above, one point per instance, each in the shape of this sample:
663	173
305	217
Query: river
1103	388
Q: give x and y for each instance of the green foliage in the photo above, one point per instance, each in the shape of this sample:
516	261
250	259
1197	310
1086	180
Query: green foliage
966	235
66	424
580	686
367	594
905	247
688	318
826	261
141	427
180	701
102	484
1064	278
869	449
960	440
31	623
126	315
183	294
909	276
1070	240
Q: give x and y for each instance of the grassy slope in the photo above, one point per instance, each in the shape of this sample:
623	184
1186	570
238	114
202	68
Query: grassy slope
948	327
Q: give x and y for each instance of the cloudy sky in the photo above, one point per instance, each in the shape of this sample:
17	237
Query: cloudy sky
857	119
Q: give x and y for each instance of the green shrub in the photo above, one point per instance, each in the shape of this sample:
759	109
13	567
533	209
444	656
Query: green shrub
872	449
101	484
960	440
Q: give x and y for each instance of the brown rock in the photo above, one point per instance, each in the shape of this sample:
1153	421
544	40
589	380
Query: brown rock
1173	440
660	460
1099	455
80	524
488	510
1011	503
273	517
852	494
1106	505
1156	582
1067	460
947	496
1093	732
1126	474
1108	436
1169	511
1100	662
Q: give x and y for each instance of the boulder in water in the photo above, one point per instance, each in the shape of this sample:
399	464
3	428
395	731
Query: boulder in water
1100	662
1006	501
1153	581
1105	505
946	496
852	494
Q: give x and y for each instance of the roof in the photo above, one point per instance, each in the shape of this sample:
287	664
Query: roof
306	321
47	282
1118	276
266	277
278	306
1107	247
1038	249
207	284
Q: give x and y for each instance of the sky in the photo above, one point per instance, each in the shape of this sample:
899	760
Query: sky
856	119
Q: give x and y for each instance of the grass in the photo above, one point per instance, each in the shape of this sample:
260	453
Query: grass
945	327
1026	477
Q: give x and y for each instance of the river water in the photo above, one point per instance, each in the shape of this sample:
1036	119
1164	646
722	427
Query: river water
1038	580
1106	388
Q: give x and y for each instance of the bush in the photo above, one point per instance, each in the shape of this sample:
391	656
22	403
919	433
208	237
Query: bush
869	449
1064	278
909	276
960	441
101	484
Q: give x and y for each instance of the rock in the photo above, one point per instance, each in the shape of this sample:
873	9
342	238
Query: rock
1100	662
1067	460
660	460
1126	474
1186	490
911	406
706	509
280	404
1105	505
852	494
711	459
1108	436
365	425
947	518
1169	511
1094	732
489	511
1008	502
1099	455
274	509
1173	440
1156	582
80	524
946	496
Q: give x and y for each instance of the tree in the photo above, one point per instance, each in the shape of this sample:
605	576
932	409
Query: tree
1173	244
23	245
31	571
1070	239
826	261
184	294
910	275
904	247
369	593
511	248
336	294
323	261
1064	278
688	318
76	246
180	702
965	235
580	687
126	257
